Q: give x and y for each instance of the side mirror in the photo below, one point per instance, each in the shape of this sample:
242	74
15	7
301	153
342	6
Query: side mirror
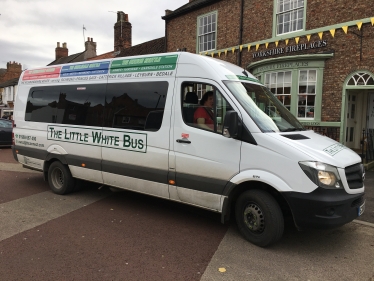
231	124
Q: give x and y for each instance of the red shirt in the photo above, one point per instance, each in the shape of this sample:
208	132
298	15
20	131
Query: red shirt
203	112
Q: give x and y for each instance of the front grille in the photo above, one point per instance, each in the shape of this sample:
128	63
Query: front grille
354	175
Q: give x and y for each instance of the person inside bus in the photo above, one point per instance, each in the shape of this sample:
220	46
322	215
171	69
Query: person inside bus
204	116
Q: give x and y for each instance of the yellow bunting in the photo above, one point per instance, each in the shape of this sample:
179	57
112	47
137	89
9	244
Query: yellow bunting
219	54
249	47
241	48
212	54
308	37
266	45
276	43
359	24
225	52
257	46
372	21
320	34
286	41
332	31
297	40
206	53
233	50
345	28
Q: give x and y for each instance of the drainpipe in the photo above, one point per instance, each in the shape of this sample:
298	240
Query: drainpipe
239	60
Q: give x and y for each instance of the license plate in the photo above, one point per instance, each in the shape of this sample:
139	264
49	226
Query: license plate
361	209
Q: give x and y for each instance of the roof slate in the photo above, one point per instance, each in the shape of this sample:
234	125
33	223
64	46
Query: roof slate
190	6
66	59
11	82
150	47
108	55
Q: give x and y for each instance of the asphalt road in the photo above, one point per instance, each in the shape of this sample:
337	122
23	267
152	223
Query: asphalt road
96	234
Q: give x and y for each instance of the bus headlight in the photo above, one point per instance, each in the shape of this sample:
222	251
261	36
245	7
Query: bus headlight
323	175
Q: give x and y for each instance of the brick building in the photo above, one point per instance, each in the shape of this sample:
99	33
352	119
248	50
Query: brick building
316	56
8	85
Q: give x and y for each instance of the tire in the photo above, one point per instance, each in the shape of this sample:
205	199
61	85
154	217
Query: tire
259	217
60	179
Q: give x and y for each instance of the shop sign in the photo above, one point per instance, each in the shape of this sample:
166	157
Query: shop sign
290	49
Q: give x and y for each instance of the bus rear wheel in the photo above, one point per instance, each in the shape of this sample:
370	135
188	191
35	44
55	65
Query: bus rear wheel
259	217
60	179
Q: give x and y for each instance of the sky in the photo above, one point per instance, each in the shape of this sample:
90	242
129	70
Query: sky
30	29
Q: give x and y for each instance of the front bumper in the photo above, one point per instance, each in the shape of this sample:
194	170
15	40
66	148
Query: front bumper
324	208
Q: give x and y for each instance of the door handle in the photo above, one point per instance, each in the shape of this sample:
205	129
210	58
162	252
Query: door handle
183	141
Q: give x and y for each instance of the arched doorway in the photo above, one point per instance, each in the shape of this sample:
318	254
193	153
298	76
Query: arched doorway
357	108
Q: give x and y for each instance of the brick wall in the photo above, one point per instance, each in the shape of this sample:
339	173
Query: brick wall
182	31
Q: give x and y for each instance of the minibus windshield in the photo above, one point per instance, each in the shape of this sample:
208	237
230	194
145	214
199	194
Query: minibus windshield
263	107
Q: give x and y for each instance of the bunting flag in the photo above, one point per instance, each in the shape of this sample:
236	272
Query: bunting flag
212	54
308	37
297	40
332	31
241	48
345	28
320	34
249	47
257	46
372	21
287	41
276	43
233	50
359	24
219	54
206	53
266	45
225	52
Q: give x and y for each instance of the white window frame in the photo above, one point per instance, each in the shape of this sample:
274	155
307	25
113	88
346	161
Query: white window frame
290	14
207	32
307	83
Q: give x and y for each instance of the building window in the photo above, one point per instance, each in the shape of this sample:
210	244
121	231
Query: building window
307	93
279	84
300	99
290	16
207	25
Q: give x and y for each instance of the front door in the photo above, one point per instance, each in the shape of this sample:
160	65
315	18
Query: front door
204	160
355	114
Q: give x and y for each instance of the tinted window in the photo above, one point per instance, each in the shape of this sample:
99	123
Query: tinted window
73	104
42	104
136	106
81	104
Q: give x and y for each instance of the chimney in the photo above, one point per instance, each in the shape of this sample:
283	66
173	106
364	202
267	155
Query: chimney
90	48
61	52
122	32
14	67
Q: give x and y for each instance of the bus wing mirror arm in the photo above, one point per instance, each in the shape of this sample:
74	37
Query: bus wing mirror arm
231	125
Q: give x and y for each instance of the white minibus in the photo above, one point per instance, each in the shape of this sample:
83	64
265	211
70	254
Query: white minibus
187	128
